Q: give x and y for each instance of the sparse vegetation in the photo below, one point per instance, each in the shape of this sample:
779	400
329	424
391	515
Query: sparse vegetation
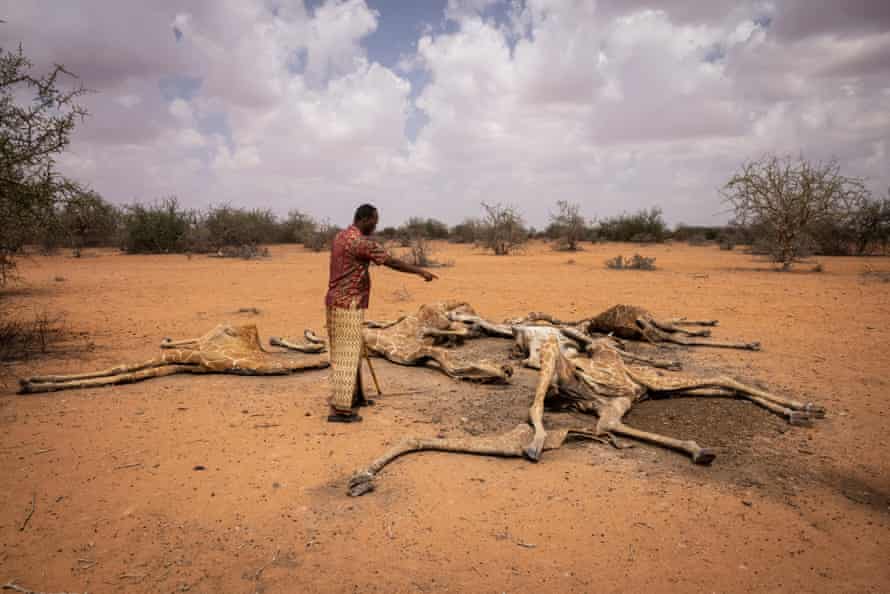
417	227
38	113
787	199
697	233
502	230
636	262
567	227
323	236
420	253
23	339
644	226
236	232
159	228
467	231
87	220
298	227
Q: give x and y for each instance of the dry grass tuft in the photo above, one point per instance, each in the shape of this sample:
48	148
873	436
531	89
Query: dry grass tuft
636	262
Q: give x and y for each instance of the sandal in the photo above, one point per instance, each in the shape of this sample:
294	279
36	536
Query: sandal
344	418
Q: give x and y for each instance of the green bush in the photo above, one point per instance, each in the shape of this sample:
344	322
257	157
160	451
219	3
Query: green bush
420	228
323	236
644	226
159	228
468	231
697	233
296	228
87	220
237	227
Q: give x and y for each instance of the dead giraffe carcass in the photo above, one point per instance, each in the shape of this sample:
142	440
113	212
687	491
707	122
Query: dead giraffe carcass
424	338
632	322
225	349
593	379
417	339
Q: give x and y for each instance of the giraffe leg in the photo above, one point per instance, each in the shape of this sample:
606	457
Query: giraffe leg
117	370
797	412
508	445
669	327
124	378
688	322
505	445
168	343
550	358
698	454
310	347
479	325
479	371
689	341
794	411
659	363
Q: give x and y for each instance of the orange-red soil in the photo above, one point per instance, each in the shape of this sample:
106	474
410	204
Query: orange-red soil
118	506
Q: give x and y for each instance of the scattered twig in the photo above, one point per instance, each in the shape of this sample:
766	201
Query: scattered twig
133	465
405	393
266	425
45	451
30	513
526	545
16	588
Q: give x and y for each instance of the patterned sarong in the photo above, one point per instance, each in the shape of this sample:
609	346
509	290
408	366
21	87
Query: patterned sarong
347	344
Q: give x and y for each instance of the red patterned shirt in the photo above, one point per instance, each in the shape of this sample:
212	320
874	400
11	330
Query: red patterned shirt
351	253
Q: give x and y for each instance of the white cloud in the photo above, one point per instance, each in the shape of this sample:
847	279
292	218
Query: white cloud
618	105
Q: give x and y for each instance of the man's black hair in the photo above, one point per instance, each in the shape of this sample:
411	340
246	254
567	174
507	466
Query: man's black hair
365	211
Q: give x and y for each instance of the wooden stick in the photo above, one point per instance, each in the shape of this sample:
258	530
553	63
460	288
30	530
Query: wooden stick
30	513
371	369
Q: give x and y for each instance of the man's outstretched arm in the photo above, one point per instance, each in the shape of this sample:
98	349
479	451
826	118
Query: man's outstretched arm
401	266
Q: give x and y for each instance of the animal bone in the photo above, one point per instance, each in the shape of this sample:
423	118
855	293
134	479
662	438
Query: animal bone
225	349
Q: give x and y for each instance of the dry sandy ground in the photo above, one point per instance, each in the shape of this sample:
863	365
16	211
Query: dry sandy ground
119	508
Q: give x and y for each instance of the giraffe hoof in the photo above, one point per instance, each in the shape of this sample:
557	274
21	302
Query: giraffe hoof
800	419
361	483
704	457
753	346
706	333
532	453
815	411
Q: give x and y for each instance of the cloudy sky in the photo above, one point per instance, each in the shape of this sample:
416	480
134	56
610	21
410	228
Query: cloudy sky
427	107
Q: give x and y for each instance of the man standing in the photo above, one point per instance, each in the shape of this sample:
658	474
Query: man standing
347	299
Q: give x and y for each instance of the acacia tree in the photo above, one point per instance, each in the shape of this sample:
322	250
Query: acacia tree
88	220
785	197
871	226
502	228
37	116
567	225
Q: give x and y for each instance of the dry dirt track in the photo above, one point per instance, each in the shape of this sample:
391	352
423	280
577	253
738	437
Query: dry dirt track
119	508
